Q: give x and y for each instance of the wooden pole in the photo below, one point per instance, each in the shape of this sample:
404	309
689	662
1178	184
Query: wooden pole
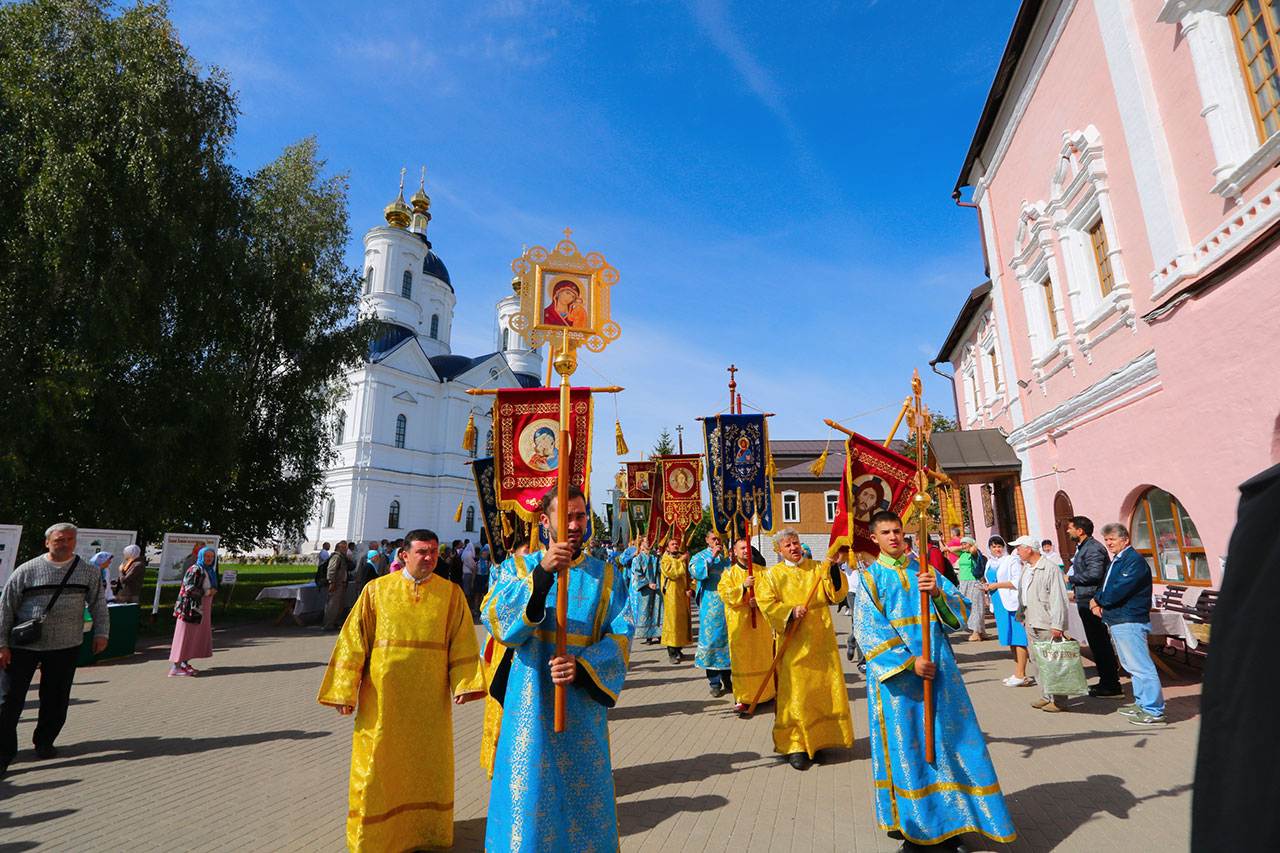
921	430
906	404
564	364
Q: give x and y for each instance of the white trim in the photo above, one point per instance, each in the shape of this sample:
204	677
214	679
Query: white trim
829	508
792	494
1248	220
1233	185
1136	373
1000	312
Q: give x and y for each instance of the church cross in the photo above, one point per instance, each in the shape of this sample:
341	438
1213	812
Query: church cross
567	233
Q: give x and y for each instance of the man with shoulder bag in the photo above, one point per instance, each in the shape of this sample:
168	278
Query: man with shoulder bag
42	624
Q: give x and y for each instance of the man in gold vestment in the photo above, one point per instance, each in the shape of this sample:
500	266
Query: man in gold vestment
675	601
406	650
813	705
750	647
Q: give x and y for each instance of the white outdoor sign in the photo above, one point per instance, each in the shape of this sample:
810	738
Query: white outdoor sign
177	555
10	535
91	540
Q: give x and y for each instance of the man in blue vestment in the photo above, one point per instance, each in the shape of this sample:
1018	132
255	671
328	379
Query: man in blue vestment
554	792
927	806
713	631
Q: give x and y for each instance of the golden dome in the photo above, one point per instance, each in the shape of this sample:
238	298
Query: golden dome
515	284
420	200
397	213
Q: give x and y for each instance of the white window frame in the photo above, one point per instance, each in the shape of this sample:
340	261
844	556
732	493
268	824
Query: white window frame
1034	261
398	439
831	504
971	402
790	500
1241	156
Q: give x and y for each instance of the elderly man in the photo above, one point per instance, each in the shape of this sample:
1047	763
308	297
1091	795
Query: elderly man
53	589
1088	568
813	705
1044	599
1124	603
336	572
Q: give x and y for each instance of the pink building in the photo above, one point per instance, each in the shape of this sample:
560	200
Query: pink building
1126	346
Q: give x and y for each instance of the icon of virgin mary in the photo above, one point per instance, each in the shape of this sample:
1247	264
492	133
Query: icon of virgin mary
567	307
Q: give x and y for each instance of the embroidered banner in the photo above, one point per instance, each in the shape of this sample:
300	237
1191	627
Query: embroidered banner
526	441
680	487
638	512
874	478
737	462
504	530
640	481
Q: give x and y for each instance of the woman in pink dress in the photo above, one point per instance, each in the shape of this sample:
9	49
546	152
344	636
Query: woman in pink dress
193	633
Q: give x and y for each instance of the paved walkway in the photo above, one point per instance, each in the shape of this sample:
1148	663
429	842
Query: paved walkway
242	758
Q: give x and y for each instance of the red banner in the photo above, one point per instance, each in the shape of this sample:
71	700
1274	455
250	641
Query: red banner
640	481
875	478
526	442
680	485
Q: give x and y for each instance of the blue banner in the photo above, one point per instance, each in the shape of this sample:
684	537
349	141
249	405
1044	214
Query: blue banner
737	449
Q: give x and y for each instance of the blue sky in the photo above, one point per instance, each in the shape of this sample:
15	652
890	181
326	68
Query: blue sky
772	180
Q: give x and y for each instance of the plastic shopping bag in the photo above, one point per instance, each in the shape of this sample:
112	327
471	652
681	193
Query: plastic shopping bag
1061	670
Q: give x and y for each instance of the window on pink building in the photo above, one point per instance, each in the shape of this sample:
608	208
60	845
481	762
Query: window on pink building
1051	307
1166	536
1256	23
1102	257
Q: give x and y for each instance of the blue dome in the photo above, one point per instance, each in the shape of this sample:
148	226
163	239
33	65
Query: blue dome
432	265
388	337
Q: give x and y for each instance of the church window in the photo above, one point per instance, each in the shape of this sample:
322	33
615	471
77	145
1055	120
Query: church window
1102	258
406	285
791	507
435	326
1163	533
368	280
339	427
506	338
1256	25
401	424
471	519
832	503
426	270
329	510
1050	307
393	515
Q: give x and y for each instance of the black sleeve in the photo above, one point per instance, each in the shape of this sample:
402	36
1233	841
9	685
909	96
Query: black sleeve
587	683
537	606
835	575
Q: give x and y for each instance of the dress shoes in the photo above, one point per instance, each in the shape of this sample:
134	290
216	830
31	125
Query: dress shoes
1098	693
798	760
46	751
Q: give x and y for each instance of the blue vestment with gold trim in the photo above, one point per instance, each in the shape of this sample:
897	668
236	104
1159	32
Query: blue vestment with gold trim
713	630
554	792
646	604
959	793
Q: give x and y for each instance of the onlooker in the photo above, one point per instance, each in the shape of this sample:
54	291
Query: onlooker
991	575
1044	601
970	568
336	574
1047	551
482	577
102	560
193	632
955	545
1010	630
322	567
1088	569
940	563
132	573
52	590
1124	603
455	563
365	569
468	557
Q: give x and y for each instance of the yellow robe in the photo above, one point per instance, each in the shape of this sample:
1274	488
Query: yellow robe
492	708
750	649
813	704
675	602
404	652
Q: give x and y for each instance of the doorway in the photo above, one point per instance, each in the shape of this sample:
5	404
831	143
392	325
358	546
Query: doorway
1062	515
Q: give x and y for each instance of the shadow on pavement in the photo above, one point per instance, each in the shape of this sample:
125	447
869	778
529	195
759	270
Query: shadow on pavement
634	818
134	749
662	709
17	846
12	790
8	821
695	768
1032	743
1107	794
254	670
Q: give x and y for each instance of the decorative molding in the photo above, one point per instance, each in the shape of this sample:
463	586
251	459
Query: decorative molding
1233	184
1136	373
406	397
1239	228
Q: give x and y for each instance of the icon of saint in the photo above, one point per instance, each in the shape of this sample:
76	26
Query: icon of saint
546	456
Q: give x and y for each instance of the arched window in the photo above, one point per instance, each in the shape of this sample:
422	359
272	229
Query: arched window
435	325
393	515
425	269
471	519
506	338
368	280
339	427
406	285
329	509
401	424
1162	532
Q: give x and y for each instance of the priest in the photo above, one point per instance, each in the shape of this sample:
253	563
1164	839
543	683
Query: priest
676	601
750	646
555	791
707	567
646	581
923	804
813	706
405	653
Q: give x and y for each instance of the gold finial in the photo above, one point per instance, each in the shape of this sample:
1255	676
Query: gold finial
515	284
397	213
568	232
421	201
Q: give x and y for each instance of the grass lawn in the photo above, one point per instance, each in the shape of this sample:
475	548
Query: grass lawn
242	607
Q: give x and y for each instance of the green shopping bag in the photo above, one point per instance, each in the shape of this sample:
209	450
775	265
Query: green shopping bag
1061	670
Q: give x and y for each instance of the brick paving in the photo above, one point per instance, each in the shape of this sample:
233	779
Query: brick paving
242	758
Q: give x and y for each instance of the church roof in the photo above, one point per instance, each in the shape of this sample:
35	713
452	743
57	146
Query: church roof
389	336
432	265
452	366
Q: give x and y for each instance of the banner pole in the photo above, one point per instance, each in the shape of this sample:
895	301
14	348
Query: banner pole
565	363
920	428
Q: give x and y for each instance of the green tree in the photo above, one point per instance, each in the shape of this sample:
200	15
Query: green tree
173	332
665	445
941	423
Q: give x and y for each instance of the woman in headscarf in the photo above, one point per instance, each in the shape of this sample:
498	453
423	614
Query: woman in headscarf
132	572
102	560
193	633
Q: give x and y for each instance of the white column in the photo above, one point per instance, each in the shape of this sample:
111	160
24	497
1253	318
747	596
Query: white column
1222	89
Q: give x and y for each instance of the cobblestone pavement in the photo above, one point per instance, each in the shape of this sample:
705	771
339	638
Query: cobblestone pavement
242	758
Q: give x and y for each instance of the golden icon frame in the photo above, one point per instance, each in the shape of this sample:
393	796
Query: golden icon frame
533	267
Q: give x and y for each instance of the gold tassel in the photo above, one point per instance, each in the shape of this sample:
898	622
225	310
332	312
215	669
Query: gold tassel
770	469
469	434
457	515
619	440
820	464
506	526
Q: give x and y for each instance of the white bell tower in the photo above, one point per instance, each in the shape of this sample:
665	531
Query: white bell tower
524	361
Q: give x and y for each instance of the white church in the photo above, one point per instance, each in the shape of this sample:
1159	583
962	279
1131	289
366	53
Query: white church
399	430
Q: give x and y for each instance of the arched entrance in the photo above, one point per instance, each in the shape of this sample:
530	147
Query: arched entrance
1164	534
1062	515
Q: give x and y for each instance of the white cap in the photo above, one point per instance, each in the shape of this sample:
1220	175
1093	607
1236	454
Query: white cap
1029	541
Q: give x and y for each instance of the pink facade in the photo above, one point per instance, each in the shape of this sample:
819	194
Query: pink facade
1130	208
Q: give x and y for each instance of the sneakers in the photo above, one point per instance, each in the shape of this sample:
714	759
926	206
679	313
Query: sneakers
178	672
1014	681
191	670
1130	710
1142	718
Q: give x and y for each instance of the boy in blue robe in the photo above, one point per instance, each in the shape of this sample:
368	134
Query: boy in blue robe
925	805
554	792
706	567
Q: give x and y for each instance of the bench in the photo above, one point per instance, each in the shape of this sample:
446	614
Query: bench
1198	616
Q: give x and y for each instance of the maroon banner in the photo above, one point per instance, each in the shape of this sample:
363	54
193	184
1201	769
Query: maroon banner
526	442
874	478
681	489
